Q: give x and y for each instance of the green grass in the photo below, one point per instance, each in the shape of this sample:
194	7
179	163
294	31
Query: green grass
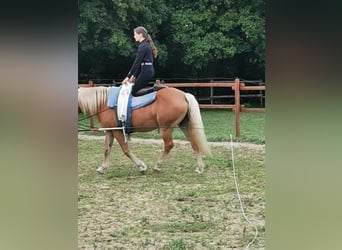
174	209
177	244
218	125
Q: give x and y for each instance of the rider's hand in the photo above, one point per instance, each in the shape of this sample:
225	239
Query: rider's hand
125	80
132	79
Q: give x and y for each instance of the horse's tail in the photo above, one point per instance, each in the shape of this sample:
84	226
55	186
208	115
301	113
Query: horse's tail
195	128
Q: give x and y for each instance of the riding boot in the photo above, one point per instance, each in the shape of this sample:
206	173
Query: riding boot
148	90
159	87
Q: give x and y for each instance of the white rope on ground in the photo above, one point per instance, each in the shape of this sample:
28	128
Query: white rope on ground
240	201
114	128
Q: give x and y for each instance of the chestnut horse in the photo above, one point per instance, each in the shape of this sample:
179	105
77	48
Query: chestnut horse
171	108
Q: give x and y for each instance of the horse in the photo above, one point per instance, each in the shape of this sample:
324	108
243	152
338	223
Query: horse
171	108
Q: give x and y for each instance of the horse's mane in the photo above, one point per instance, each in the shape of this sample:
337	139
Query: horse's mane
90	100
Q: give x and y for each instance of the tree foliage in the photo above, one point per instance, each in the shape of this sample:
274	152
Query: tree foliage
205	36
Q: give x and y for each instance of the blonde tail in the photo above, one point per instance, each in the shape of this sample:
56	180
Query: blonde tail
195	130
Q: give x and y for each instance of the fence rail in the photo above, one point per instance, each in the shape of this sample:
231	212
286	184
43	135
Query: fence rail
237	86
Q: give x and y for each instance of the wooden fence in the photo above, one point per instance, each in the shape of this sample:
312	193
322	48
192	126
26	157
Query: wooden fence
237	86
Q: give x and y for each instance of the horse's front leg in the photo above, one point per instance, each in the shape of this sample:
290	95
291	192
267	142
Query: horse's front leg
168	145
109	138
124	146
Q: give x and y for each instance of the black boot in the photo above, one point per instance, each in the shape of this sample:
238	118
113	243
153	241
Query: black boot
159	87
148	90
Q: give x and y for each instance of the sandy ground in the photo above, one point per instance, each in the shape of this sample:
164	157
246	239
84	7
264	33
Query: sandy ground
180	142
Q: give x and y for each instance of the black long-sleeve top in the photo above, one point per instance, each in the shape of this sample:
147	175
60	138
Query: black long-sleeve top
144	54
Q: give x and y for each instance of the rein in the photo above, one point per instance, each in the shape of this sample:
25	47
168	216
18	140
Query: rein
94	129
91	116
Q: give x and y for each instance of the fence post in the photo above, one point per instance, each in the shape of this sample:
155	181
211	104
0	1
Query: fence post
211	93
237	106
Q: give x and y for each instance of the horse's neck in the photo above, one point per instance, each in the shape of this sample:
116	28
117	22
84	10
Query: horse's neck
107	117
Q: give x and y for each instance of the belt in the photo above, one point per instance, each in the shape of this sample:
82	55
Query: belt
146	63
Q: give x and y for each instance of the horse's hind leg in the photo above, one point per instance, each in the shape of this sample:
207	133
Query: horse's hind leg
168	145
109	138
200	164
124	146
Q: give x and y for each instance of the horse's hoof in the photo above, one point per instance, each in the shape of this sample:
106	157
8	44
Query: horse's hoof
198	171
156	170
100	170
143	172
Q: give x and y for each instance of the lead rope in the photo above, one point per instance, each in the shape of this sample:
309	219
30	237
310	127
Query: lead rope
240	201
115	128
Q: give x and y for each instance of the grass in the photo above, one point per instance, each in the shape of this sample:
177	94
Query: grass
174	209
177	244
218	124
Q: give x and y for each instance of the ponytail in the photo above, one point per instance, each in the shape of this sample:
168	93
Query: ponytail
154	48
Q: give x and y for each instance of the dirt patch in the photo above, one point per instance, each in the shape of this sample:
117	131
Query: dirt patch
180	142
123	209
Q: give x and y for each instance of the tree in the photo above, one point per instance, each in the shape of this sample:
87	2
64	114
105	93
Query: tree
194	39
105	31
219	31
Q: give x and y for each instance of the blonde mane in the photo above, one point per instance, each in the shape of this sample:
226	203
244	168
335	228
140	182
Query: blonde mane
91	100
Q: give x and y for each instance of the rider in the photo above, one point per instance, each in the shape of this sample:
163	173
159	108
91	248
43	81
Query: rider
142	69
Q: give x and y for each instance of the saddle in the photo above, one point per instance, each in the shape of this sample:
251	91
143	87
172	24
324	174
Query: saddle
121	99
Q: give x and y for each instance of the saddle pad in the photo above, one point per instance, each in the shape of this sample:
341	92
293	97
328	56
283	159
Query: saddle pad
133	103
137	101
